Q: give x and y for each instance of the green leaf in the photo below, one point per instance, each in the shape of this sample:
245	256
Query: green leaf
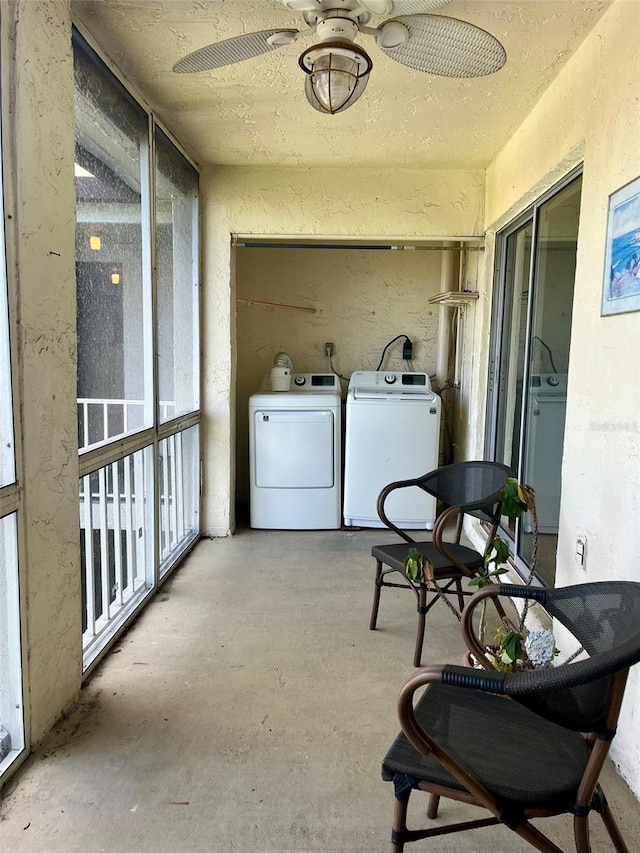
498	552
413	570
512	645
511	503
414	564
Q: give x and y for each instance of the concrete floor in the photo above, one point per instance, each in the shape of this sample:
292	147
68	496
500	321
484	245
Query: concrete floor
248	710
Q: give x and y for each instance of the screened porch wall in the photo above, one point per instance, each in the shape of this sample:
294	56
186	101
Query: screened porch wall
40	237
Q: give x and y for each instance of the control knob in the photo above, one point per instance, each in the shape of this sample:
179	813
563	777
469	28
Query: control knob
389	378
299	380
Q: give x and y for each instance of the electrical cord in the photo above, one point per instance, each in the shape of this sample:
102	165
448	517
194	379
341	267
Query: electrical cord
333	371
553	366
450	383
384	351
447	412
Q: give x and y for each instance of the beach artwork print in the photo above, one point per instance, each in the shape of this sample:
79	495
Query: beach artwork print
621	290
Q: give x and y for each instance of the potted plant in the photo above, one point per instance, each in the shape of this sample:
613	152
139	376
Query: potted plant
512	647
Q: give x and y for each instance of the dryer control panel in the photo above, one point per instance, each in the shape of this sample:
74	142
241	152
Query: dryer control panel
316	382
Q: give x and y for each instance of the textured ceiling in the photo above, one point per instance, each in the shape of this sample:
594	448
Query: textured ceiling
255	113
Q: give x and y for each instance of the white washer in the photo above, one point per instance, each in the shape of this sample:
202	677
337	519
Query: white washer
392	433
295	455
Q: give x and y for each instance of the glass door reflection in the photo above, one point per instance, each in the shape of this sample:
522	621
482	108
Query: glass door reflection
529	392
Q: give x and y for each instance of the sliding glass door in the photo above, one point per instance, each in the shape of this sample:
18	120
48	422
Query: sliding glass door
12	733
535	278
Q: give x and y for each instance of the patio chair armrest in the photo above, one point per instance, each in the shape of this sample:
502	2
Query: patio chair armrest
422	741
488	681
456	676
410	726
448	515
492	591
384	494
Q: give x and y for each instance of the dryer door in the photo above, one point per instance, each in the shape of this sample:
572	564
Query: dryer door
293	450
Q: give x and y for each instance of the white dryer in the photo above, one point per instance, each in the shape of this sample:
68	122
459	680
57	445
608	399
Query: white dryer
392	433
295	455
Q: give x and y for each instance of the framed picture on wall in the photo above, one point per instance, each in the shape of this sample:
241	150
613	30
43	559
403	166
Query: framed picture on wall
621	286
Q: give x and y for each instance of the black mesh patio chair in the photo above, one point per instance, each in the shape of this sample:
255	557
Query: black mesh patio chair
521	745
464	488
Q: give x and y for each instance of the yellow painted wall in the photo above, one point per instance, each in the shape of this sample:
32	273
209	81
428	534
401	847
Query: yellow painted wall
592	113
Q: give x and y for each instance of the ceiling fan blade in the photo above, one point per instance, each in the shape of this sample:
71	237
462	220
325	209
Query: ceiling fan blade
416	7
378	7
447	47
303	5
229	51
402	7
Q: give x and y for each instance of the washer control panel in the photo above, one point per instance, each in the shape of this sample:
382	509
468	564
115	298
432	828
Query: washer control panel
391	381
555	383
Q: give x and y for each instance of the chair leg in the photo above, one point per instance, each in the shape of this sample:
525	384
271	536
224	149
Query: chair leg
460	595
581	833
376	597
399	824
422	616
535	838
612	828
432	808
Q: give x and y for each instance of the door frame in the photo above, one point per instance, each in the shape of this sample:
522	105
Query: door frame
497	356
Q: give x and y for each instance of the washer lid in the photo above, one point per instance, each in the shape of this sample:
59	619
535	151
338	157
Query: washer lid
371	384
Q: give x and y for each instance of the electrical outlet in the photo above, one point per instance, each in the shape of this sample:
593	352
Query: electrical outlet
328	348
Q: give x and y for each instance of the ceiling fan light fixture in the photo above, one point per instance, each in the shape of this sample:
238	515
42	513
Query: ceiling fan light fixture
337	75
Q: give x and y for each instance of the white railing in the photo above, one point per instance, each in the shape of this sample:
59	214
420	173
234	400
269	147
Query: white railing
101	420
114	533
172	507
115	521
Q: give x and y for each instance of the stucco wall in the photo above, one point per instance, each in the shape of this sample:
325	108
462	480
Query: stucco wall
592	111
42	226
325	202
361	298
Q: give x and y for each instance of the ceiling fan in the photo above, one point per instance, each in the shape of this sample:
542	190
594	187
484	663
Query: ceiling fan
337	69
